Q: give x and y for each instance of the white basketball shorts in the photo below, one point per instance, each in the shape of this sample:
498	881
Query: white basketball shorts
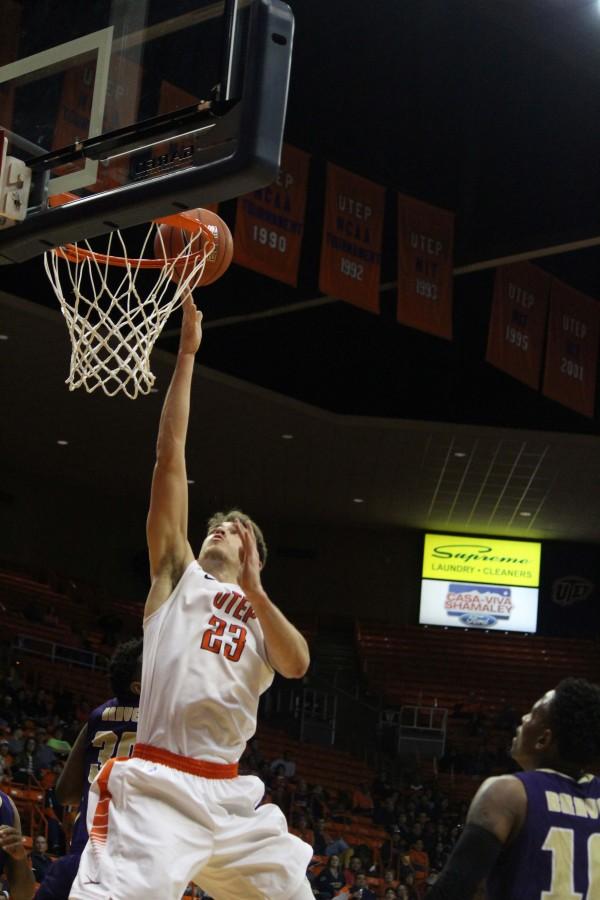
155	826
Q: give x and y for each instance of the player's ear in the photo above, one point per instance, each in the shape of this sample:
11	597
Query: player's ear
135	687
544	739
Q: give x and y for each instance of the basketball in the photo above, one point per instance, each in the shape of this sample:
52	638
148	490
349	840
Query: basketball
171	241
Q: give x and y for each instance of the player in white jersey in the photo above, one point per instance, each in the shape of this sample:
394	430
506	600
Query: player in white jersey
178	811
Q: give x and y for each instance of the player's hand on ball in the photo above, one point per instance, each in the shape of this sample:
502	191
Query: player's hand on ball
11	841
191	327
249	577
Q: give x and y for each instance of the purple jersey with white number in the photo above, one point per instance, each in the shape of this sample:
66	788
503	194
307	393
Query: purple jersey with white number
7	817
558	847
111	731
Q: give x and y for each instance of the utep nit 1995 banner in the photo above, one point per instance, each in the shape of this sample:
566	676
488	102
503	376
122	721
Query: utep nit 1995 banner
352	237
519	310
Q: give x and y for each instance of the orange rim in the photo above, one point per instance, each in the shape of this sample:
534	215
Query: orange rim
183	220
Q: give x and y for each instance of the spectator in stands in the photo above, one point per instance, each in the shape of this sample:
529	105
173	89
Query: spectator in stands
40	861
392	848
7	711
45	757
23	770
362	801
16	742
6	760
301	796
390	880
351	871
419	860
360	889
390	894
289	766
317	803
303	831
330	880
385	814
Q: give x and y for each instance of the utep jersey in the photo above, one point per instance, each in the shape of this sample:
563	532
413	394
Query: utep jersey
557	852
204	669
111	731
7	817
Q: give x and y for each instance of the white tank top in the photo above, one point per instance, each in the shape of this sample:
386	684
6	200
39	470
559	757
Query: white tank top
204	669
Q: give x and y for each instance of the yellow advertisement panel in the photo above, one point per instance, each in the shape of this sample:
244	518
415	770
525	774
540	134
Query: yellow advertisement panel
482	560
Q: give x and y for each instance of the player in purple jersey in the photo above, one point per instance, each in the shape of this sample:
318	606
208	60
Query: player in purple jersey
110	731
536	835
13	858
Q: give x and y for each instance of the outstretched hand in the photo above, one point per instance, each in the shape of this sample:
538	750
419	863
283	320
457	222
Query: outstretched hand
191	326
249	578
11	841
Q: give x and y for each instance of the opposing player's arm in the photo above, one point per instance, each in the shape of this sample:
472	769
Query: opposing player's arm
18	871
286	648
167	523
495	817
69	785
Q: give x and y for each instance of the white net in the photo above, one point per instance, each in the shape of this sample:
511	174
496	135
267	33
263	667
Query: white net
113	322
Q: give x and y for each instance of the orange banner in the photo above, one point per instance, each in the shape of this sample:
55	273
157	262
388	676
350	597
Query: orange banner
516	335
269	223
572	348
120	109
352	234
425	262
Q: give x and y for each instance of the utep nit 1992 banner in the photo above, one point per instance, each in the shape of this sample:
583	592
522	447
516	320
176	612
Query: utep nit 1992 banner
352	237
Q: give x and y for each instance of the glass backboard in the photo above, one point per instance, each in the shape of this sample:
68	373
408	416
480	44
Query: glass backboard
127	111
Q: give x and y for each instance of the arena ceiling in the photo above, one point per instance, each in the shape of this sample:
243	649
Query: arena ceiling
489	109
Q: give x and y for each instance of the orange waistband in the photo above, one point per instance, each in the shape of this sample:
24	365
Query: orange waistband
185	763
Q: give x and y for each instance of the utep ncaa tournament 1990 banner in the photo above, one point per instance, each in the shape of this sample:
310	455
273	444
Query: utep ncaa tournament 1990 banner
425	263
516	335
572	348
352	234
269	223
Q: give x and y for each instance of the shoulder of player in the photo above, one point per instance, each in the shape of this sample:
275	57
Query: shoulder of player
500	805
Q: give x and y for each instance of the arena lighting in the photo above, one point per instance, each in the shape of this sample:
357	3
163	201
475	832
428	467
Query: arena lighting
524	513
460	455
357	500
287	437
62	443
191	481
3	337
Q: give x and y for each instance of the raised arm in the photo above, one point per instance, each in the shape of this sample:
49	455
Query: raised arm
286	648
166	527
69	785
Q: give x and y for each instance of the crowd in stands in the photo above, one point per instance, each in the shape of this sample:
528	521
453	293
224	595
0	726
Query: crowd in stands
417	828
411	826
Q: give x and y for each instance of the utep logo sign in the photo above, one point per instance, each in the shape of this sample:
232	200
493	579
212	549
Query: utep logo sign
571	589
478	605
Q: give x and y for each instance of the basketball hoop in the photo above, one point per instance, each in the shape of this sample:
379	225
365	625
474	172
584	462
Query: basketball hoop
113	323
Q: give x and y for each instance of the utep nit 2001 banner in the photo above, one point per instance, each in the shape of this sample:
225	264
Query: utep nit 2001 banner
352	237
572	348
